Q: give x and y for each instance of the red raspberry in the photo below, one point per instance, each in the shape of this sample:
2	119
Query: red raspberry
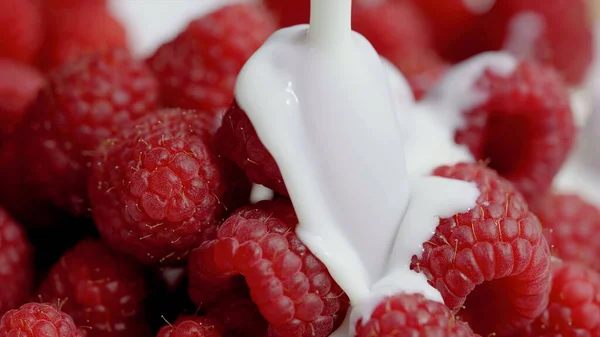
19	87
17	195
75	33
572	228
492	263
239	314
99	289
83	103
62	4
525	128
238	141
574	308
196	326
291	287
16	264
38	320
565	39
447	20
156	189
20	23
289	13
400	33
412	315
198	69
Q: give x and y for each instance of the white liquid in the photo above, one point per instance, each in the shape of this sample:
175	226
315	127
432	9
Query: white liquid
321	101
260	193
524	30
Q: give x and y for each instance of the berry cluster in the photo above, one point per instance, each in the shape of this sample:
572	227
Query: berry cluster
125	182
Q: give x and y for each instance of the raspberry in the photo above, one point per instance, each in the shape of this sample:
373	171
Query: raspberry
238	141
554	32
412	315
525	128
65	4
83	103
38	320
78	32
490	264
574	308
198	69
156	189
17	195
291	287
400	33
20	23
239	314
16	264
19	87
571	226
99	289
193	326
289	13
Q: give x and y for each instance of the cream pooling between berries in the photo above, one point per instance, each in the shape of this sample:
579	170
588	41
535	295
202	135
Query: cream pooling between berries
320	100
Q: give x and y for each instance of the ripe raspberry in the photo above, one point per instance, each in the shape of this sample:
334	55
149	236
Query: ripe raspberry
574	308
400	33
289	13
17	195
291	287
239	314
19	87
16	264
571	226
490	264
525	128
20	23
83	103
238	141
554	32
38	320
63	4
193	326
412	315
78	32
156	189
198	69
99	289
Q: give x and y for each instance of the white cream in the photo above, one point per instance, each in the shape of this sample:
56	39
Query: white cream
524	30
337	122
260	193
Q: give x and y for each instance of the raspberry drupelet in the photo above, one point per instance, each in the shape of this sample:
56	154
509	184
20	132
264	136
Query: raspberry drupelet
16	264
572	228
83	103
100	289
198	69
196	326
291	287
38	320
158	190
574	308
525	127
492	263
412	315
